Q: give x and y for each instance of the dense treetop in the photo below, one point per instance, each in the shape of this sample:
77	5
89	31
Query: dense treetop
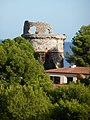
18	65
80	48
23	83
24	103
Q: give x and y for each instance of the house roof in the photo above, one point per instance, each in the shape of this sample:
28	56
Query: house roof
71	70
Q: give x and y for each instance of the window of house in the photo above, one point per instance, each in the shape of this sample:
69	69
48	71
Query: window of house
51	77
56	80
69	79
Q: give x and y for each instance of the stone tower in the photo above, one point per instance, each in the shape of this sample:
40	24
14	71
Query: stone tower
49	46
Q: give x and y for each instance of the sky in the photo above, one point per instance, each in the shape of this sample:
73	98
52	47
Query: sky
65	16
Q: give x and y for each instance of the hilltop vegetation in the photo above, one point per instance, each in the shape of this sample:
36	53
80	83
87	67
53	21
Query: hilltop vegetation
26	92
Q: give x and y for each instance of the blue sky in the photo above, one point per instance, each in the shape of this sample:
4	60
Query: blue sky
66	16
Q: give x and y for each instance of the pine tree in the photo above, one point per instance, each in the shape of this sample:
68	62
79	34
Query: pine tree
80	48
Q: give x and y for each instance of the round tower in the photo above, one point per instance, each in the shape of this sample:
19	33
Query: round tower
49	46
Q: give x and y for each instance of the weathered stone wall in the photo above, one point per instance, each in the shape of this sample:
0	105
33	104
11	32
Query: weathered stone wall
41	27
47	43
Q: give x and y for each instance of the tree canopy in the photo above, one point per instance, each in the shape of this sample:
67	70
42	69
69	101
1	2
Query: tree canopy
26	92
71	102
23	83
24	103
18	65
80	48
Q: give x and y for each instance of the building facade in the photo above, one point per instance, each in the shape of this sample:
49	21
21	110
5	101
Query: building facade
68	74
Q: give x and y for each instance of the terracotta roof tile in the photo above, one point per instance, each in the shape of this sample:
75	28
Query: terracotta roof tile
69	70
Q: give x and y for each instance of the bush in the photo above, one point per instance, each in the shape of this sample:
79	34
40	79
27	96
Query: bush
86	81
24	103
71	110
73	91
71	102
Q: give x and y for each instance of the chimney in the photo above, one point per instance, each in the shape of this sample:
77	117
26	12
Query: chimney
73	66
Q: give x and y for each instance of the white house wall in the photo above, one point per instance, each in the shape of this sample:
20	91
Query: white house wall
63	77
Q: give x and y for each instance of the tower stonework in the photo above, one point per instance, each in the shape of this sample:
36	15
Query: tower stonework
49	46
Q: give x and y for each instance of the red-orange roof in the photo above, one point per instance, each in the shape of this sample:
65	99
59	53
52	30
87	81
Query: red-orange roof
70	70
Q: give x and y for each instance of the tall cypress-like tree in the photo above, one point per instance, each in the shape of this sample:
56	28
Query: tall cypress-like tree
80	48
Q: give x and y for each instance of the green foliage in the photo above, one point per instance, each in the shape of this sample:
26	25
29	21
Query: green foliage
86	81
24	103
36	56
26	91
23	83
80	48
18	65
73	91
18	58
71	110
71	102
